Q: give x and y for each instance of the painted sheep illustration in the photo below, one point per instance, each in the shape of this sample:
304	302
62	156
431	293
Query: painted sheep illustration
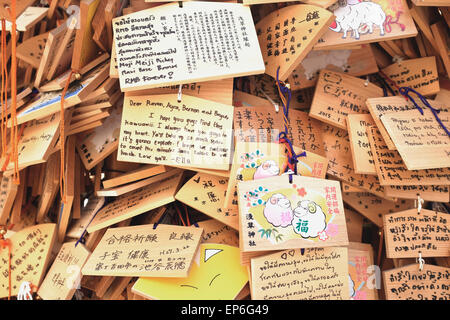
353	16
309	219
278	211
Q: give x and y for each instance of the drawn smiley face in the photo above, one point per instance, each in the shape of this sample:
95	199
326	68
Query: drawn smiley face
215	274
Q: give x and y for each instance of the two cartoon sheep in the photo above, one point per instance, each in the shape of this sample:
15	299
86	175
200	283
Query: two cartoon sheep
308	219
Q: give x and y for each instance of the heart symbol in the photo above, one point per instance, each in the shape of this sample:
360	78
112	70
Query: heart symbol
284	256
291	252
24	242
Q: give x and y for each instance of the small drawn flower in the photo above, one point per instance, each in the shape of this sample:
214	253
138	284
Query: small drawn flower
323	235
332	230
301	192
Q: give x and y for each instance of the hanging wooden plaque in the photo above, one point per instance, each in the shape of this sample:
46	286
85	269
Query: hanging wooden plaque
64	276
288	34
225	31
420	139
145	251
409	233
275	214
216	274
206	193
337	95
419	74
31	251
317	274
408	283
380	106
160	130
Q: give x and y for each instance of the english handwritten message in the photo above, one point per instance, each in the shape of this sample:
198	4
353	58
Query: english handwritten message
160	130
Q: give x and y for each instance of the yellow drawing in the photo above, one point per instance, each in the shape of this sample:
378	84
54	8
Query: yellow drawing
215	274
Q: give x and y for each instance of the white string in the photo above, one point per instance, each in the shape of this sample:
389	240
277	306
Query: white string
179	93
366	83
421	261
24	291
277	107
420	202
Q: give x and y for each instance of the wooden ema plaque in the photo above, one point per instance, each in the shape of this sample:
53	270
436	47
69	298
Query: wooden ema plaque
206	193
230	47
31	251
409	283
36	143
409	233
419	74
380	106
420	140
340	162
215	274
277	215
64	275
144	251
391	169
160	130
337	95
288	34
317	274
131	204
378	20
373	207
359	143
360	262
356	62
